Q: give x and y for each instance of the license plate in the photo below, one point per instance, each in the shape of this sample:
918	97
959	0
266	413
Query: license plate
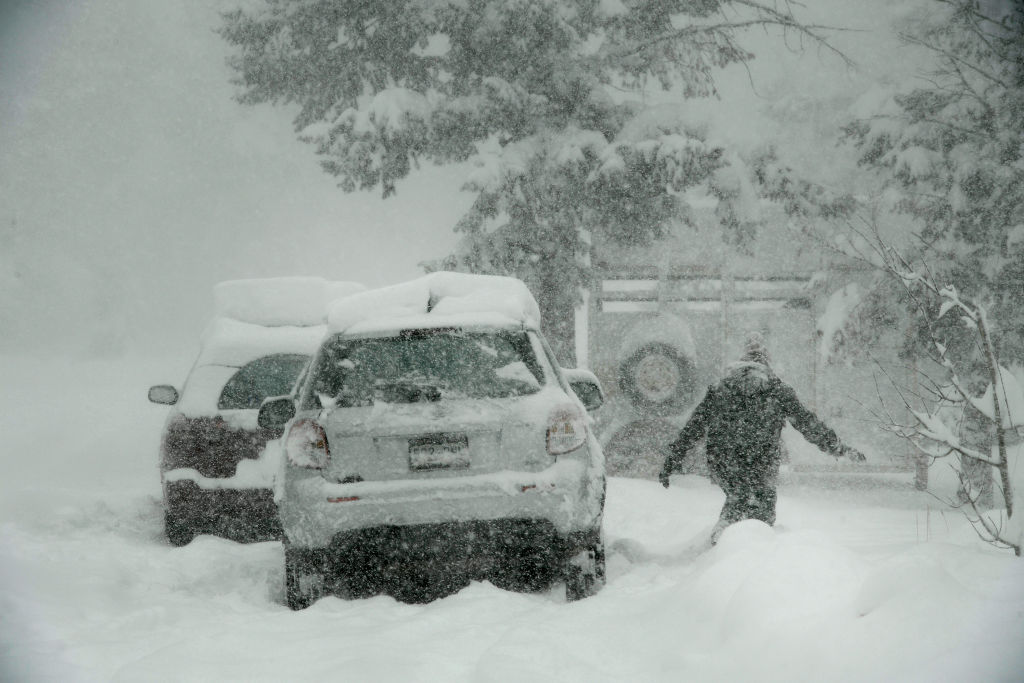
439	452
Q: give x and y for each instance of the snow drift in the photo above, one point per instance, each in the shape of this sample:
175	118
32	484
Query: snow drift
872	582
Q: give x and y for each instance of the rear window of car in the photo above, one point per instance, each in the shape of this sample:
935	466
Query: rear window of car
273	375
424	365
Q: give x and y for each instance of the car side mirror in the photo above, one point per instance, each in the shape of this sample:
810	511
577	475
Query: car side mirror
164	394
586	387
275	412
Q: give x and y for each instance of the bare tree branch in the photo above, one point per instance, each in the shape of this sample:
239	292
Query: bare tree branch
765	16
952	58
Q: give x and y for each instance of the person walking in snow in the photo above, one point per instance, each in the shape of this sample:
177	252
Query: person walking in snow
741	417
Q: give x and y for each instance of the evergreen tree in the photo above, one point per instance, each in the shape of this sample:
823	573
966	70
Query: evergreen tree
534	90
952	153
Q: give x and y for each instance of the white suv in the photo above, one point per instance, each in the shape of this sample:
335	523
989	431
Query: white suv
213	473
434	439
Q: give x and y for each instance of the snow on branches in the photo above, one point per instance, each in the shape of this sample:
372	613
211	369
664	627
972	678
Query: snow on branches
1000	407
540	93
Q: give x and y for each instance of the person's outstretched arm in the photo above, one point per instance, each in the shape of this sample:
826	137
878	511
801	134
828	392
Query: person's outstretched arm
813	429
694	431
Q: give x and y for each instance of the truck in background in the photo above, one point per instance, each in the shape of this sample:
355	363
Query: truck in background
657	336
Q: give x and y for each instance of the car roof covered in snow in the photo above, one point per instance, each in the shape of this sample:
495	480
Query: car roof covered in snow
280	300
235	343
436	300
260	317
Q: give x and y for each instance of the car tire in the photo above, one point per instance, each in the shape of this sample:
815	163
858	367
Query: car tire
585	572
658	379
304	577
178	533
526	571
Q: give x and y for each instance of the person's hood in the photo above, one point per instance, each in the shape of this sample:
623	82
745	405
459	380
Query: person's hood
747	377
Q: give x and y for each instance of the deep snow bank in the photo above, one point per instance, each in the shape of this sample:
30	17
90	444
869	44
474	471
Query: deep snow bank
852	585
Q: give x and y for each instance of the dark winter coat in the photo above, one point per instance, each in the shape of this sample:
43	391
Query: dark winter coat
742	418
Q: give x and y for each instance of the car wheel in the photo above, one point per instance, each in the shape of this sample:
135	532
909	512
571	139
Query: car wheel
585	572
304	577
525	571
658	379
178	533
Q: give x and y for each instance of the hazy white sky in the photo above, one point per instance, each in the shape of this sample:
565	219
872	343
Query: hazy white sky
127	167
130	181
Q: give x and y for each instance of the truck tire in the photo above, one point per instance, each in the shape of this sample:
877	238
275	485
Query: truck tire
658	379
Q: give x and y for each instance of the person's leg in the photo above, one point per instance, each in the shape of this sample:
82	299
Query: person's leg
760	504
761	494
732	511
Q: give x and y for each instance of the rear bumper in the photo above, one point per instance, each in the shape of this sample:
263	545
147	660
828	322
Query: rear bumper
567	497
476	547
237	514
420	563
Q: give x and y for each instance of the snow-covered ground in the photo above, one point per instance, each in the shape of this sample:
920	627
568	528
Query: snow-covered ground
867	582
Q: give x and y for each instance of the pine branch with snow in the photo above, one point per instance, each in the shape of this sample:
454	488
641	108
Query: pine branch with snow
538	94
951	152
1000	406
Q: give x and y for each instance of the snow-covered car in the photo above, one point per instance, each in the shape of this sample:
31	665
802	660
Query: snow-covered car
435	436
214	473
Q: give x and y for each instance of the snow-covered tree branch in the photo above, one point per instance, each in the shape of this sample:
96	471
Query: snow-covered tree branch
945	229
1001	405
543	96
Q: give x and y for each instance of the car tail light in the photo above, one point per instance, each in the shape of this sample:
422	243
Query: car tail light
306	445
567	430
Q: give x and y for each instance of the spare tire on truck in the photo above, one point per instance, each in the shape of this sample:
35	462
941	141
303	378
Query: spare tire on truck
658	379
656	370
